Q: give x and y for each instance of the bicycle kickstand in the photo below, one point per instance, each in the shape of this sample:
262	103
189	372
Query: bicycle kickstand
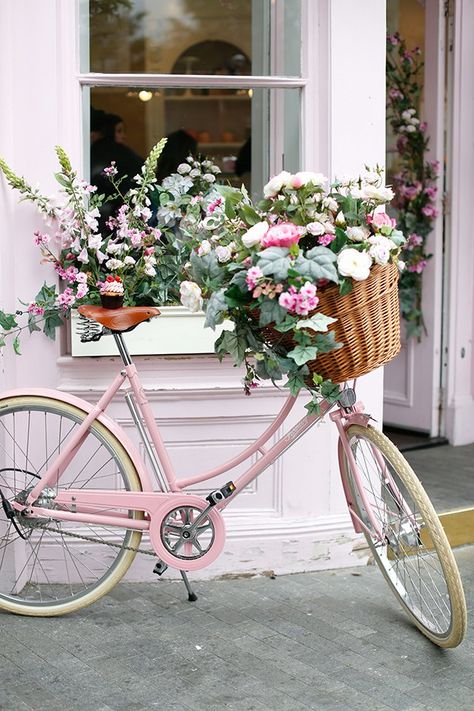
192	597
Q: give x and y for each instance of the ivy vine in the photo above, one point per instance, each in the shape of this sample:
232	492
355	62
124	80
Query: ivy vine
415	180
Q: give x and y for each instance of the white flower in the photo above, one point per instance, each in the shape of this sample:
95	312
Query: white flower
114	264
355	264
273	187
254	235
315	228
410	129
330	204
380	248
208	177
223	254
183	168
371	177
83	256
340	219
204	248
382	194
304	177
95	241
129	260
195	172
191	295
401	265
149	270
357	234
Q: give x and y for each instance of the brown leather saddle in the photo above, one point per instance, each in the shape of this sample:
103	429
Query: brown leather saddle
122	319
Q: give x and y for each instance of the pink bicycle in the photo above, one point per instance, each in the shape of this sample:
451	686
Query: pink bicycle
76	499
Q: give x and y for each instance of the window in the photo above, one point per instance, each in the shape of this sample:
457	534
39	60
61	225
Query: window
221	77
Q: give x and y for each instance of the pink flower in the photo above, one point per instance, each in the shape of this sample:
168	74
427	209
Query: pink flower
393	39
431	192
414	240
429	210
148	251
412	191
82	290
417	268
326	239
110	170
381	219
40	239
253	275
395	94
66	299
34	309
287	300
282	234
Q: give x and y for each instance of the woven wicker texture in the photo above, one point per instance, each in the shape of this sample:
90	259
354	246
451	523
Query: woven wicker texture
368	324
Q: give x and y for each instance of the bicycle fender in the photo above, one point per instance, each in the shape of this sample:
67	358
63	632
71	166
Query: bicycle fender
104	419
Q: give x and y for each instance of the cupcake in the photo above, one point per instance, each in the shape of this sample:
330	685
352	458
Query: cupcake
111	292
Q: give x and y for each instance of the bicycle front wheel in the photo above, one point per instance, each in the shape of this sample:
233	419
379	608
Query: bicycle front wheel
48	566
414	554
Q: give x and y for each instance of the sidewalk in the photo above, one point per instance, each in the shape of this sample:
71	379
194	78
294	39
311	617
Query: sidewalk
328	640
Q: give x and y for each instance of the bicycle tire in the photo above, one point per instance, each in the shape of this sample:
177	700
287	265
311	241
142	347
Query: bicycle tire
50	573
413	547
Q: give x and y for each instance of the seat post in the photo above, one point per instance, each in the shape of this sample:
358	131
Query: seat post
124	354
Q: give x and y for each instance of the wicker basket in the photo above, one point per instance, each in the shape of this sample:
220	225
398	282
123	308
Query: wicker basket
368	324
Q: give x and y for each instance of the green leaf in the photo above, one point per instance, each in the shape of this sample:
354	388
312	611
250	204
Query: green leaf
234	296
318	264
215	309
233	343
2	341
52	321
303	354
16	345
288	324
295	383
330	391
313	407
318	322
205	267
339	242
271	312
32	325
345	286
62	180
249	215
275	261
7	321
327	342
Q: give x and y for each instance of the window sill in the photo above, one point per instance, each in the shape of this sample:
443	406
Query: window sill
176	331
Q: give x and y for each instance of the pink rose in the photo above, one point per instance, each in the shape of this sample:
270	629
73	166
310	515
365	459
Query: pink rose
381	219
282	234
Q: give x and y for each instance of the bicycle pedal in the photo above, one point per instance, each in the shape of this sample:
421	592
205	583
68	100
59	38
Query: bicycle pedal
160	568
220	494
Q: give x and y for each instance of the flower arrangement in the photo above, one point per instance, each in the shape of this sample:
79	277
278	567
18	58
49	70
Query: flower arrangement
266	266
139	246
415	180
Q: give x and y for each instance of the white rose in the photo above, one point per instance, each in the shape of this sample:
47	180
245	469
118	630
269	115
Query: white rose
382	194
254	235
340	219
380	249
223	254
129	260
183	168
410	129
357	234
191	295
209	177
330	204
304	177
273	187
204	248
352	263
401	265
406	115
315	228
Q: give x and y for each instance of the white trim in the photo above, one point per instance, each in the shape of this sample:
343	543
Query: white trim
185	80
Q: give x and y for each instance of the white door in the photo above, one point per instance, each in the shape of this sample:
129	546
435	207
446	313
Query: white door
413	392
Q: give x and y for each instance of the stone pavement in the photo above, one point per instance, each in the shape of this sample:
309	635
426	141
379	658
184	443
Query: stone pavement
328	640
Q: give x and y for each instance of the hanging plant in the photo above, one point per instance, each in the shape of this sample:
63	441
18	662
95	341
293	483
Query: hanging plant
415	180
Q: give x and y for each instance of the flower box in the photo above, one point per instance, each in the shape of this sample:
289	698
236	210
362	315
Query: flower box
175	331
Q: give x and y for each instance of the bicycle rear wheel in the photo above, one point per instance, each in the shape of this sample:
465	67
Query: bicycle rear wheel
414	556
50	567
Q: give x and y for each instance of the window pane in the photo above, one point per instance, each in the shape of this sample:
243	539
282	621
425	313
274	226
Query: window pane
219	37
231	128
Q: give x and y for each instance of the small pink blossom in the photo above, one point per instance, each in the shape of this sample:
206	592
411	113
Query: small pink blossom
82	290
393	39
41	239
326	239
110	170
252	277
282	234
417	268
431	192
214	205
287	300
148	251
66	299
34	309
395	94
81	277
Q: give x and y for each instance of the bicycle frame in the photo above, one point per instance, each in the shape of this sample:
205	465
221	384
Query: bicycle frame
94	506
